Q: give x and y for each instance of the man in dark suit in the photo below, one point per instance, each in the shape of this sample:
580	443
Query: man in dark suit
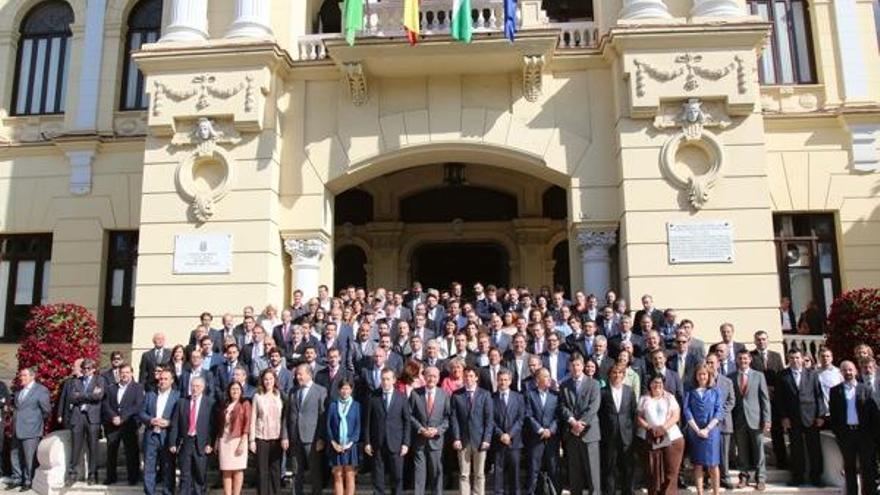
728	401
388	434
122	407
727	333
471	427
330	376
156	356
111	374
509	414
192	437
617	417
84	420
429	418
224	373
802	411
159	408
555	360
282	334
304	430
771	364
649	309
854	418
751	419
684	359
581	340
626	335
541	436
31	410
197	369
63	404
516	360
332	339
657	366
489	374
603	361
579	409
150	359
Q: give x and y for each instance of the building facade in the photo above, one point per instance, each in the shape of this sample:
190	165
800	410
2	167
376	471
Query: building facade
716	154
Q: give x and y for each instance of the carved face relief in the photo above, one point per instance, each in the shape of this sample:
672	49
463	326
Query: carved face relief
205	129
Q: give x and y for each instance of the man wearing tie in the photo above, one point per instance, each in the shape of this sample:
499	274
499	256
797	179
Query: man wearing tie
224	373
751	419
471	427
854	418
518	362
684	359
388	434
152	358
31	409
160	406
726	361
121	410
617	417
429	419
489	374
542	440
370	379
282	334
555	360
333	374
728	401
192	438
305	428
196	369
626	335
802	411
507	446
771	364
84	419
579	409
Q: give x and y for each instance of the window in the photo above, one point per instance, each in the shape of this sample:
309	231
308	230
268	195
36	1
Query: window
788	58
119	297
554	203
806	255
43	60
568	10
144	24
24	279
353	206
329	18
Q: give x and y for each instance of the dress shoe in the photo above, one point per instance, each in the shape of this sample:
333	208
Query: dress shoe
743	482
24	488
11	485
761	486
110	481
727	485
68	482
92	481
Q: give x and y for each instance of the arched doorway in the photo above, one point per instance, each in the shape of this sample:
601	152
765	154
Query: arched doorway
561	269
351	267
438	264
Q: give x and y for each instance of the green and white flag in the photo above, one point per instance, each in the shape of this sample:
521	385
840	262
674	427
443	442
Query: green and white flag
462	23
353	19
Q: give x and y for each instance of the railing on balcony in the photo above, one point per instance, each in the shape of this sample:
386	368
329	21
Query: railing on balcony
808	344
384	20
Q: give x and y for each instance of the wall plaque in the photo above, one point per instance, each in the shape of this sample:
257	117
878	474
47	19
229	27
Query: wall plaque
700	242
202	253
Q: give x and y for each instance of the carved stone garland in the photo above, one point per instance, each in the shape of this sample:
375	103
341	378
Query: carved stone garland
692	121
357	82
689	66
205	85
205	136
533	66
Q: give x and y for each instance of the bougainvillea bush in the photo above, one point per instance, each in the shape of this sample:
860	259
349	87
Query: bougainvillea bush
854	319
55	336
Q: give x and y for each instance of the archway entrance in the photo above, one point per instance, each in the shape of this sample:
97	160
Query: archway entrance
439	264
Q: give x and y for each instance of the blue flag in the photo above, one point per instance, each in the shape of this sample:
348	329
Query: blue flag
510	19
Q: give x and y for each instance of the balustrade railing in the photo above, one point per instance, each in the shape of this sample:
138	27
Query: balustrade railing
808	344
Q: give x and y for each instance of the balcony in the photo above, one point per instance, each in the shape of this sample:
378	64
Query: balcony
383	20
808	344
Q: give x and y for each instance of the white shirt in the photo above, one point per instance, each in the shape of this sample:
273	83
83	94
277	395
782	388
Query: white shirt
120	393
786	320
553	361
796	373
161	401
617	395
829	377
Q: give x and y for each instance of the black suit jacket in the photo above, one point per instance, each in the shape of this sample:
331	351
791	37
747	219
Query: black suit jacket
85	403
205	433
387	428
866	410
618	425
615	343
771	368
128	410
146	376
801	405
211	388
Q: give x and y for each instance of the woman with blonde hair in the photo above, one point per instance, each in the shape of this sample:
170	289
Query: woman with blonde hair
703	412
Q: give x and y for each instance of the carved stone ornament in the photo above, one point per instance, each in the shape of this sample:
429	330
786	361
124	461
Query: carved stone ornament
533	81
206	135
203	86
309	250
690	66
588	239
357	82
204	175
692	121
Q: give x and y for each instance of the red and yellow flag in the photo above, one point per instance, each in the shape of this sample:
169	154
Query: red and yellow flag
411	20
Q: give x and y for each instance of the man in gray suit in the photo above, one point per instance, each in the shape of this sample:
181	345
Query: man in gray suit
728	401
303	429
751	418
579	408
429	417
31	409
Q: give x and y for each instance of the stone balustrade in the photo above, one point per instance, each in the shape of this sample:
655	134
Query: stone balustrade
808	344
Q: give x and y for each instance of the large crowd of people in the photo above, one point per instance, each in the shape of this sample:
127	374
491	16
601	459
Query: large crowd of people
515	391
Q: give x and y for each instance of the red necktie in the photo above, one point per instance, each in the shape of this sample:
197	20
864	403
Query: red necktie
430	403
743	383
192	417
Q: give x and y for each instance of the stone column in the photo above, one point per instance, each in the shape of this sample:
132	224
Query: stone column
306	254
644	9
593	245
717	8
188	21
251	20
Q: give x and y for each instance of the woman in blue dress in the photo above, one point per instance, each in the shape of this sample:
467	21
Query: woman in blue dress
703	412
344	433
